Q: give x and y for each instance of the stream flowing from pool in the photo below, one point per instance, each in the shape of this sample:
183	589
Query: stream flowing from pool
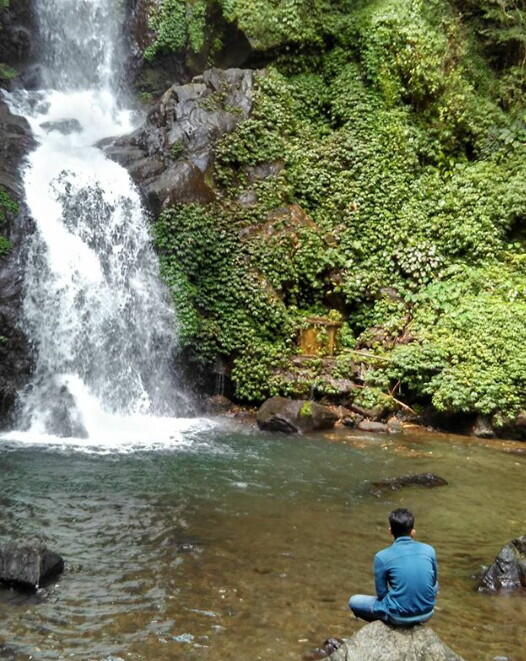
242	545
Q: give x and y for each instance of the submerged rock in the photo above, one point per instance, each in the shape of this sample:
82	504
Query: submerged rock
294	415
373	426
28	565
429	480
170	155
508	570
328	647
218	404
379	642
64	126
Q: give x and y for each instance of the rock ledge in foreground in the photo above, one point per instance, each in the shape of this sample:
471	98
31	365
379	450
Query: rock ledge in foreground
27	565
379	642
294	415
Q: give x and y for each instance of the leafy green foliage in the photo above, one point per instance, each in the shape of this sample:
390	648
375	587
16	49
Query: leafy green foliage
7	72
268	23
502	26
178	24
225	306
378	174
469	355
7	206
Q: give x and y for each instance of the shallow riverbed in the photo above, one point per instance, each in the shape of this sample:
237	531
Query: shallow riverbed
242	545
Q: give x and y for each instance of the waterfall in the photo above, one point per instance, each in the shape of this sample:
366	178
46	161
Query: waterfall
95	311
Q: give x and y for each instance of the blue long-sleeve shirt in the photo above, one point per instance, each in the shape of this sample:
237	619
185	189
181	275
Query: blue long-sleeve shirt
406	578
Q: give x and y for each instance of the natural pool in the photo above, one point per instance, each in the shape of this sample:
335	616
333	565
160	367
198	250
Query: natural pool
242	545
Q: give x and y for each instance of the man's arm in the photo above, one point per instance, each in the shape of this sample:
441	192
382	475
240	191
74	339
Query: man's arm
380	578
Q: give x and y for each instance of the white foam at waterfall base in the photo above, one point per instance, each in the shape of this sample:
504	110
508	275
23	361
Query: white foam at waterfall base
106	432
126	434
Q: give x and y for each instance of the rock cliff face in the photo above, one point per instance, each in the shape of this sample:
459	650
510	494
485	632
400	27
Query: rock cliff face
15	143
170	155
223	45
16	28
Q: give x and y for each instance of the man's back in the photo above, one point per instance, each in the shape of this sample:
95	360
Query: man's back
406	578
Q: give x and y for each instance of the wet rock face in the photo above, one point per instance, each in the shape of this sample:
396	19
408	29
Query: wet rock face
28	565
15	142
64	126
15	353
171	153
153	77
140	34
379	642
16	34
294	415
508	570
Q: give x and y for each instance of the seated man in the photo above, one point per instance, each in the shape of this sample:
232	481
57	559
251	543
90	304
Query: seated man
405	576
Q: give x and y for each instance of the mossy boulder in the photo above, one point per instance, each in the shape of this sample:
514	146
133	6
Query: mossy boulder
294	415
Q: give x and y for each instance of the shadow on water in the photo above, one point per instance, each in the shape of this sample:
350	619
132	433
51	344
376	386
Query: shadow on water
246	545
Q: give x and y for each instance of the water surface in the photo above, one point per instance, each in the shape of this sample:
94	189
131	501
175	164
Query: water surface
242	545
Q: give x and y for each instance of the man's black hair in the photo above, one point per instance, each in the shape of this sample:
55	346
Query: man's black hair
402	521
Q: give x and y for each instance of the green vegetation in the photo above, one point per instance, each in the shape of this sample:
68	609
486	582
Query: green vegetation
177	150
7	206
7	72
397	132
305	410
178	24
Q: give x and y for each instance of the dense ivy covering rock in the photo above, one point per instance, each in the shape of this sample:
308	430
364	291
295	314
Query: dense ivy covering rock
6	206
381	178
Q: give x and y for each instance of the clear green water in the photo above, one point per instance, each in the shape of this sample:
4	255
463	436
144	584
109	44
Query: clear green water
246	546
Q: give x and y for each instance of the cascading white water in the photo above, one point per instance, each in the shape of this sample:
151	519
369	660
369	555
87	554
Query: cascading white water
94	308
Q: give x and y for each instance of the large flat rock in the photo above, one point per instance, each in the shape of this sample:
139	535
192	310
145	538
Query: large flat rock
379	642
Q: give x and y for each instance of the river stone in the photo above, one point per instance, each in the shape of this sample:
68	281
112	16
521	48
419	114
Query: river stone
27	565
380	642
373	426
429	480
508	570
294	415
64	126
